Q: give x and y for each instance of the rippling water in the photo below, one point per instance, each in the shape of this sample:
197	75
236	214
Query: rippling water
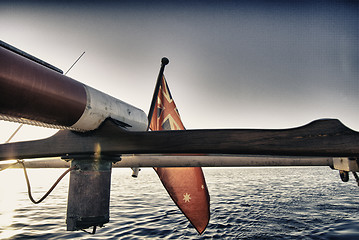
246	203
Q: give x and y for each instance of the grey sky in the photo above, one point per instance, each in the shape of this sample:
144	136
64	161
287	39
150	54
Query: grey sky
232	64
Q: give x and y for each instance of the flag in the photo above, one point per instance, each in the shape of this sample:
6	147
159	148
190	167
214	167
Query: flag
186	185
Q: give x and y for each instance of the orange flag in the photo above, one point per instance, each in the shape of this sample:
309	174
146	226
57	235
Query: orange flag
186	185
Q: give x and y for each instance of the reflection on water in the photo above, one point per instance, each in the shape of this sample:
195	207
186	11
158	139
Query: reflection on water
246	203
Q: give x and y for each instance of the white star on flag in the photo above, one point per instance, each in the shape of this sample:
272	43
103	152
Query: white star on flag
186	197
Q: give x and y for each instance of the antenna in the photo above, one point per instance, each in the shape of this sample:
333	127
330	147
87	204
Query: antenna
74	63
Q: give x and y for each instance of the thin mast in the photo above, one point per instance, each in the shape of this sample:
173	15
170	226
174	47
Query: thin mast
164	62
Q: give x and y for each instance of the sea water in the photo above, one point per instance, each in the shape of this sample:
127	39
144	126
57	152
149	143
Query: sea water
246	203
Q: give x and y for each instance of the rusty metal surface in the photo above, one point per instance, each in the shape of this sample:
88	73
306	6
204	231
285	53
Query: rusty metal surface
89	194
30	90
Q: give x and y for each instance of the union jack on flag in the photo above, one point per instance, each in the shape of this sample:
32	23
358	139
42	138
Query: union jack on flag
166	115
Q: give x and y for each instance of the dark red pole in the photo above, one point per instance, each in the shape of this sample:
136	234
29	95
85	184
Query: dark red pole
33	91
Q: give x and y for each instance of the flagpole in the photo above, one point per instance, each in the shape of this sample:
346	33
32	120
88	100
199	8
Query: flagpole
164	62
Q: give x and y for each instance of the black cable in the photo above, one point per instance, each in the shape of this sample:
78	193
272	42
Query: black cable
91	233
50	190
356	177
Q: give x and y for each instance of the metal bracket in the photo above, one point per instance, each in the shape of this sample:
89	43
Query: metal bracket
135	171
89	193
346	164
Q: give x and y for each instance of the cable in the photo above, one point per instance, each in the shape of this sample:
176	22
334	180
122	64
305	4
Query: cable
14	133
50	190
91	233
356	177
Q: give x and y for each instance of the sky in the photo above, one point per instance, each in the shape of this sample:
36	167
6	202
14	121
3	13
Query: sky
233	64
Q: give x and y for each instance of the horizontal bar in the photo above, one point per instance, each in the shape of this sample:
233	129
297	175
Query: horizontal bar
219	161
152	160
321	138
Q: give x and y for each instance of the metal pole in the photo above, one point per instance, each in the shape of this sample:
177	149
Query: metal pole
164	62
152	160
219	161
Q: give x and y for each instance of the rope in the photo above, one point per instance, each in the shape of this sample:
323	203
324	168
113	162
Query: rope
36	123
50	190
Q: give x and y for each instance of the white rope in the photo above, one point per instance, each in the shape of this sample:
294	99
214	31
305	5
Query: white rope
36	123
